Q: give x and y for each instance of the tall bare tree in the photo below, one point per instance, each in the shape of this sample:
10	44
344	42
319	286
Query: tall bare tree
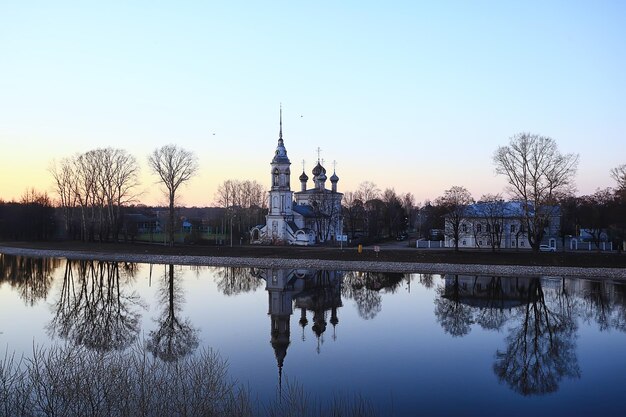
353	213
538	175
245	203
619	175
99	182
492	211
367	191
174	166
455	201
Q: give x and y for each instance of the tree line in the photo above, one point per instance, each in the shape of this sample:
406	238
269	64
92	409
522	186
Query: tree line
93	189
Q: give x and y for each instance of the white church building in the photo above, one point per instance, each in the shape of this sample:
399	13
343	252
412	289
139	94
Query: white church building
305	217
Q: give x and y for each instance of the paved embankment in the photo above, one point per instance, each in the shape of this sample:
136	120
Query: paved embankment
374	266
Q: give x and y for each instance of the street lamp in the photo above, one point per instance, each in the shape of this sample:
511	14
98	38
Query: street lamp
231	230
341	232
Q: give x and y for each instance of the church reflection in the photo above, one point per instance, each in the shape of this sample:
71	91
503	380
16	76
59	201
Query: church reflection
316	293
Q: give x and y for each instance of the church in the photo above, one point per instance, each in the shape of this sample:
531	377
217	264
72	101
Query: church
306	217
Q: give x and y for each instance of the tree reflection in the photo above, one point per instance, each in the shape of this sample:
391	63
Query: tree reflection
364	288
234	280
174	337
427	280
454	316
605	304
31	277
94	310
540	349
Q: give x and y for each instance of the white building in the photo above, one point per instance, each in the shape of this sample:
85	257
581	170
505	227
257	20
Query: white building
305	217
500	223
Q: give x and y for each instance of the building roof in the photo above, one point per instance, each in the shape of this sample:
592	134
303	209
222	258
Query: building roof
304	210
513	209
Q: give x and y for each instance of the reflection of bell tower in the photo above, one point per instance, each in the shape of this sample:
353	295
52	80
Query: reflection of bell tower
280	292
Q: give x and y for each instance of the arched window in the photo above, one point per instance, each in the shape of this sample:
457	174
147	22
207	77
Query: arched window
276	175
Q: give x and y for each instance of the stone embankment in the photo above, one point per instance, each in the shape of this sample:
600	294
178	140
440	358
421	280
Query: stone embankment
372	266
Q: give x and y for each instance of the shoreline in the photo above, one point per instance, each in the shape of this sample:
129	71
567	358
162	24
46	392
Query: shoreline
346	265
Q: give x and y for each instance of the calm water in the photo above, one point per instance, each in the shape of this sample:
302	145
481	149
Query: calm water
410	344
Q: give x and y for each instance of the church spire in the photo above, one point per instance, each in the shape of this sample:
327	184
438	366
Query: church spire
280	132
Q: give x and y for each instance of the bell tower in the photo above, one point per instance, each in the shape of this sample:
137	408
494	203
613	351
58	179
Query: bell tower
280	195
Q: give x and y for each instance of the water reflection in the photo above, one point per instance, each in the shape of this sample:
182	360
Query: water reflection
365	288
174	337
95	308
541	342
312	291
236	280
536	319
31	277
540	347
605	304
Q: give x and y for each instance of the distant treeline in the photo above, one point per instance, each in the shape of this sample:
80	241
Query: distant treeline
32	218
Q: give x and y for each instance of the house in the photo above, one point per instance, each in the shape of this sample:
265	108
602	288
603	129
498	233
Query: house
501	224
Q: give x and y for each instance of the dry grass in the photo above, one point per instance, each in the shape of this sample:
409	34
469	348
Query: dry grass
74	381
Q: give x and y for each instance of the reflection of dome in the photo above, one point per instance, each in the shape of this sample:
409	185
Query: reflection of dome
318	170
304	177
319	325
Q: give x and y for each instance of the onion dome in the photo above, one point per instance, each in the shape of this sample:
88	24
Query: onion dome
318	170
322	177
304	177
334	177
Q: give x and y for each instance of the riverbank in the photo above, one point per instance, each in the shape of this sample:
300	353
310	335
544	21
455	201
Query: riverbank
609	265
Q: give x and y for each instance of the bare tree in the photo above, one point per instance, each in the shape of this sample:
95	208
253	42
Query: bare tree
455	201
354	213
99	181
408	203
64	178
367	191
619	175
394	213
538	175
244	201
492	210
174	166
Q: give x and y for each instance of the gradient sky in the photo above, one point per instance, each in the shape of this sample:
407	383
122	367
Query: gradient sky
411	95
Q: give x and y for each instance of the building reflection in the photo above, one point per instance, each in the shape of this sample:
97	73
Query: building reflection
316	293
540	319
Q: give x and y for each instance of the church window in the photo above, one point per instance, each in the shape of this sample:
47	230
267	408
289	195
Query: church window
276	175
479	228
464	227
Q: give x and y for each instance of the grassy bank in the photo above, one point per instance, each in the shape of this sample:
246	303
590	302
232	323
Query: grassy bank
584	259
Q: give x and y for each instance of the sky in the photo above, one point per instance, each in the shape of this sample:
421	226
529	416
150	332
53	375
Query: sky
415	96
